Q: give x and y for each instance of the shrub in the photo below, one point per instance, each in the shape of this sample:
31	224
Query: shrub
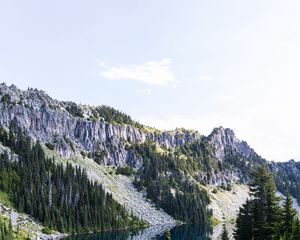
126	170
6	98
83	154
50	146
46	230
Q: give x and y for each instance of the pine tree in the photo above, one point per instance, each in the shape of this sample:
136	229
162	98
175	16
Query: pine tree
296	235
244	222
224	235
167	234
266	209
261	217
290	217
76	203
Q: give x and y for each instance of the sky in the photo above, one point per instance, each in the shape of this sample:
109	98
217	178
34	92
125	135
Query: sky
194	64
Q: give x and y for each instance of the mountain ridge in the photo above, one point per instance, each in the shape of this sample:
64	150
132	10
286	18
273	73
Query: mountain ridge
167	166
72	129
38	100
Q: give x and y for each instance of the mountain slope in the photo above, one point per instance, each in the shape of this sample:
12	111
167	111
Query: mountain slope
172	168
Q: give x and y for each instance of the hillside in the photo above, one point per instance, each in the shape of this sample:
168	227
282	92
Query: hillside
158	176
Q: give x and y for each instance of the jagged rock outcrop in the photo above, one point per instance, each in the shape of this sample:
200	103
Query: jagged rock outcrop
73	129
51	122
224	138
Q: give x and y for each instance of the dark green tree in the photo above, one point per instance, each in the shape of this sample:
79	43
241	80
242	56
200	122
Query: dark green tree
224	235
296	235
267	213
244	222
290	218
59	196
262	217
167	234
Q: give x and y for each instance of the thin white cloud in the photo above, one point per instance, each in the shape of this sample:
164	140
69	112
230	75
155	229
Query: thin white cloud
101	63
157	73
144	92
204	77
264	127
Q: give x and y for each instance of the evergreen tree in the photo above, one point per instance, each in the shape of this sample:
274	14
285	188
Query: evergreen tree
167	234
290	218
266	209
59	196
163	175
224	235
6	232
262	217
244	222
296	235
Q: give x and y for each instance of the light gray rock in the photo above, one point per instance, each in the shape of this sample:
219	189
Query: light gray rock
48	121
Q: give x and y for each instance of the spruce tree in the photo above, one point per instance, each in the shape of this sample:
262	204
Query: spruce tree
224	235
59	196
244	222
167	234
262	217
266	210
296	235
290	217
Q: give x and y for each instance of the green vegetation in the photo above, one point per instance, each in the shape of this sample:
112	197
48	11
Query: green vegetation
167	234
214	221
107	113
224	235
47	230
112	115
5	98
50	146
287	179
125	170
290	218
6	231
4	199
74	109
60	197
166	177
262	217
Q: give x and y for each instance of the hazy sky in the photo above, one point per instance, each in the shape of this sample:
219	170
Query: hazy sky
194	64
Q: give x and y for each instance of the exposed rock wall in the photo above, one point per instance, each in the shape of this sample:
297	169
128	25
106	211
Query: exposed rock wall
51	122
48	121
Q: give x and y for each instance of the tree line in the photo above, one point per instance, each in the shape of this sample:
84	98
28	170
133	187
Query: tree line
6	231
263	217
61	197
169	185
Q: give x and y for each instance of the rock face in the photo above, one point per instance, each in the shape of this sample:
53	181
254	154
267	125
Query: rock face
50	122
58	125
124	192
73	130
224	138
26	225
54	123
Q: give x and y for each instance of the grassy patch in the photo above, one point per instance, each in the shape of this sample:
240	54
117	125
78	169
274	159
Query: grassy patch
214	221
4	199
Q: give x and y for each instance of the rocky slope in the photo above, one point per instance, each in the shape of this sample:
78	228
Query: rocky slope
25	226
73	129
54	122
120	187
90	137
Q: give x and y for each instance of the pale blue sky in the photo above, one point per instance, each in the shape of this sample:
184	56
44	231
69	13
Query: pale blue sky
193	64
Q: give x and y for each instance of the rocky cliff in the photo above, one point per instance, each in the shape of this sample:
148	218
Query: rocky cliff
72	130
100	136
52	122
